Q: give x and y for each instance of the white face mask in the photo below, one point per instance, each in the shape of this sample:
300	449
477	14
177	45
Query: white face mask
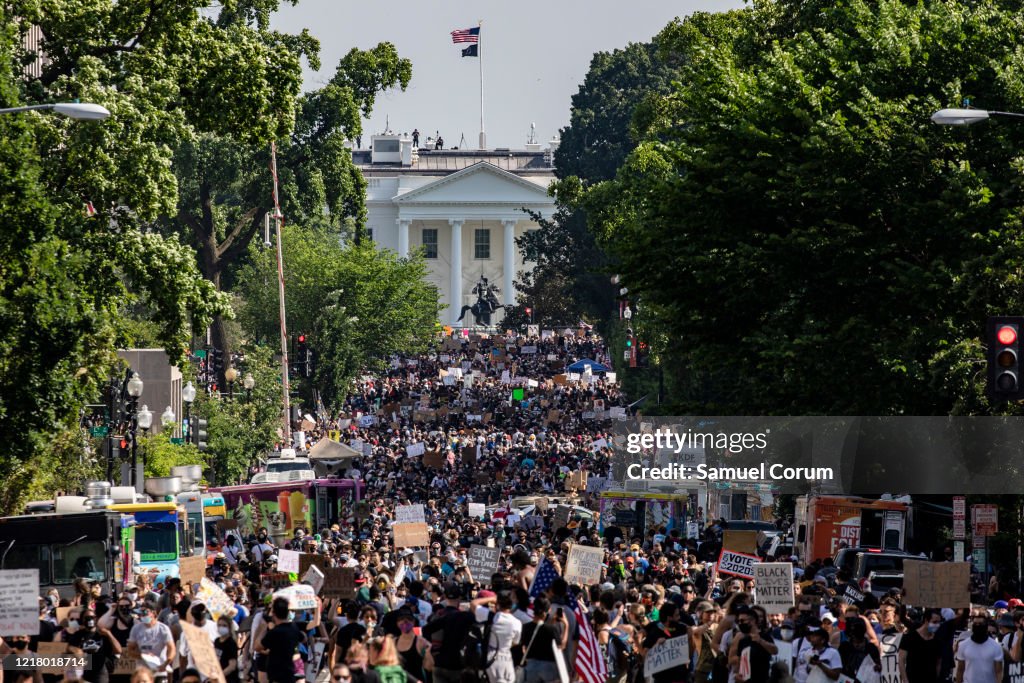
223	630
73	626
786	633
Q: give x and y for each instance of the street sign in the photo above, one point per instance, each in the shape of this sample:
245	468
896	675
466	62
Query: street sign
177	440
201	353
986	520
102	430
959	518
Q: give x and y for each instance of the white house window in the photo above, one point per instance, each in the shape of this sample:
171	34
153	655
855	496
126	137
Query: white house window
369	234
430	242
482	243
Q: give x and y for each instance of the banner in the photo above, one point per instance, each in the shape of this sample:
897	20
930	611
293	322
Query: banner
19	602
482	562
409	514
937	584
583	565
667	655
773	584
736	564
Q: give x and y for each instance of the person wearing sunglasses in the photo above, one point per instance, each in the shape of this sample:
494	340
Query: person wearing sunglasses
341	674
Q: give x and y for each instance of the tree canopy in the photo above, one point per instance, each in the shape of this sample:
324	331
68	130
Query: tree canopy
808	238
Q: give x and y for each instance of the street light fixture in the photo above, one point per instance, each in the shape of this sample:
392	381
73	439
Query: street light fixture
83	111
230	375
967	117
135	385
249	382
145	417
168	418
188	393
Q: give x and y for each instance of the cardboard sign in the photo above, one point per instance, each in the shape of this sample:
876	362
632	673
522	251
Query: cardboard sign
736	564
561	518
51	650
339	582
434	459
740	541
409	514
577	480
192	569
126	666
278	579
201	648
469	454
288	561
227	524
300	597
307	560
477	509
583	565
666	655
482	562
937	584
314	577
773	583
413	534
19	602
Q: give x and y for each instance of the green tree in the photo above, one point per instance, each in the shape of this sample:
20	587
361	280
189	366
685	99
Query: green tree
358	304
807	238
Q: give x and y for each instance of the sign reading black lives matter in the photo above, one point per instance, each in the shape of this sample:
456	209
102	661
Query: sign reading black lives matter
482	562
773	584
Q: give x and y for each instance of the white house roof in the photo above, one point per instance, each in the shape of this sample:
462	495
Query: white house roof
481	183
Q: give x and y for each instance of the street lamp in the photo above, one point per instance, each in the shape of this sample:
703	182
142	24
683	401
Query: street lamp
188	394
248	382
144	418
135	385
83	111
168	418
966	117
230	375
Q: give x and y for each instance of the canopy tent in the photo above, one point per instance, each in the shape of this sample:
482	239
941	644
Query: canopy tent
328	449
580	366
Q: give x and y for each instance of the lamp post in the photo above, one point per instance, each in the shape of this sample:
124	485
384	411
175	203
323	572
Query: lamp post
83	111
134	388
168	418
230	375
248	382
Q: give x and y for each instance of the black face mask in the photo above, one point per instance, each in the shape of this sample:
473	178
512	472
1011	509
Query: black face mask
979	633
746	627
20	644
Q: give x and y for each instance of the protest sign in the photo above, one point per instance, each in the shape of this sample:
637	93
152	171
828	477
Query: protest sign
44	650
563	670
411	534
773	584
482	562
561	517
931	584
307	560
339	582
314	577
666	655
216	600
740	541
288	561
784	655
889	648
477	509
736	564
227	524
192	569
577	480
201	648
278	579
406	514
469	454
583	565
1015	672
414	449
596	484
852	596
126	666
299	596
19	602
433	459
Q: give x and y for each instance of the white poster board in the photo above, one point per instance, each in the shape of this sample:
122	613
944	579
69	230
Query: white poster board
409	514
19	602
288	561
666	655
773	584
583	566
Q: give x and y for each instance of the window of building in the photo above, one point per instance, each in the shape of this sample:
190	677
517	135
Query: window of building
369	234
430	242
482	243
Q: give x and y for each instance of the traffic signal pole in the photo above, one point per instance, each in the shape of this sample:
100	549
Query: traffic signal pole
278	221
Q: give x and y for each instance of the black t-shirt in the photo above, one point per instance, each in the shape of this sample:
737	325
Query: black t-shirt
227	649
346	634
282	641
760	660
853	657
922	656
447	636
95	644
656	631
540	650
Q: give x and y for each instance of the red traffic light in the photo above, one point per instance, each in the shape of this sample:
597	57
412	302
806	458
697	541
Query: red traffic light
529	311
302	339
1006	335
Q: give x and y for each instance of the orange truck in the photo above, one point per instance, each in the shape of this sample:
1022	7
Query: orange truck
824	523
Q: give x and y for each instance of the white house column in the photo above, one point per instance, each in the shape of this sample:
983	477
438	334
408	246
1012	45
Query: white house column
456	266
403	236
509	265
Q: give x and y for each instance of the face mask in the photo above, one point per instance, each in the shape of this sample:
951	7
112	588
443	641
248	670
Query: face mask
147	620
979	633
223	630
786	633
73	626
124	611
405	627
20	644
932	628
90	624
746	628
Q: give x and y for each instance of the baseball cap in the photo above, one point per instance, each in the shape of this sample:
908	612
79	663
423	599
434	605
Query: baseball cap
1016	602
675	589
828	618
452	591
1000	604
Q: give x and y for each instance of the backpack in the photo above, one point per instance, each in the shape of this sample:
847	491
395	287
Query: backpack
477	648
618	655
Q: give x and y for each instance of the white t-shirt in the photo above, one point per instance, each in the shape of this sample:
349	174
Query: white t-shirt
153	640
829	657
979	660
505	631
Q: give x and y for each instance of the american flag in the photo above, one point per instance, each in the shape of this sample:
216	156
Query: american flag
590	664
542	578
466	35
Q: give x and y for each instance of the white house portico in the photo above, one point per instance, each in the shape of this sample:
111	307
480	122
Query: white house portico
465	217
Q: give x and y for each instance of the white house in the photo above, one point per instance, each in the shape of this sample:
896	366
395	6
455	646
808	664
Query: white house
463	208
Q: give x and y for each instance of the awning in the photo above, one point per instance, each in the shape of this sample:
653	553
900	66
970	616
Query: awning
328	449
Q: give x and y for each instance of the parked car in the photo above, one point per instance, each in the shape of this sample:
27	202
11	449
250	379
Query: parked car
877	561
846	558
881	582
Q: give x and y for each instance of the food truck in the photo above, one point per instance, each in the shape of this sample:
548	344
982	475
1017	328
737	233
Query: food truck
640	512
823	522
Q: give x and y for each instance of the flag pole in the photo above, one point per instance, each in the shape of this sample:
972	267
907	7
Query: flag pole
480	58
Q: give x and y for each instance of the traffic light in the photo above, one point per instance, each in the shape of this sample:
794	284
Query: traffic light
629	337
216	363
1004	357
643	352
307	366
198	435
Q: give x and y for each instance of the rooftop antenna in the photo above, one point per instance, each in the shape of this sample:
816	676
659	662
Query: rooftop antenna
532	140
387	124
462	141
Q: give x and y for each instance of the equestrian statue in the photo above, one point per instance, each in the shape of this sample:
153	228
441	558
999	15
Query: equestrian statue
486	303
